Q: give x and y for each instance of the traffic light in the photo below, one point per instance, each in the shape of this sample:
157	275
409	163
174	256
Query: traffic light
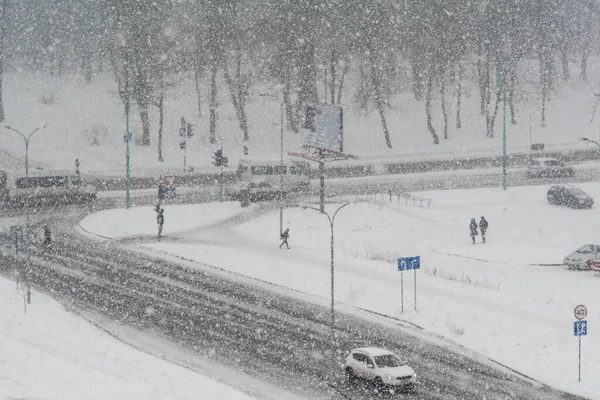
218	158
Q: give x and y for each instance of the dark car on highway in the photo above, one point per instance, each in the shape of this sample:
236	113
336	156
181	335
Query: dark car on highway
570	197
258	191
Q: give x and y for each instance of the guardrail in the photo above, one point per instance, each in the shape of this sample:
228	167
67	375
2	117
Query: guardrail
407	197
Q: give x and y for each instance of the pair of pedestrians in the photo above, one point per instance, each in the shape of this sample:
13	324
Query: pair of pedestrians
483	226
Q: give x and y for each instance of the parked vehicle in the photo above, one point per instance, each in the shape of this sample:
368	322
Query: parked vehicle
549	168
595	265
582	258
51	188
380	366
569	197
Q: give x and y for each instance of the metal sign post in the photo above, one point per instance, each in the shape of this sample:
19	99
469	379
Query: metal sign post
579	330
415	269
401	291
405	264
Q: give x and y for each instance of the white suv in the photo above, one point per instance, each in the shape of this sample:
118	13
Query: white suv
549	168
379	366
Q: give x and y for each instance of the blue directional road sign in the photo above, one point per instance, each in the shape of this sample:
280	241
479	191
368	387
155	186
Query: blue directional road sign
408	263
580	328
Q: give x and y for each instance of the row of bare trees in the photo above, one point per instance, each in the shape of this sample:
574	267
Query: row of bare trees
306	51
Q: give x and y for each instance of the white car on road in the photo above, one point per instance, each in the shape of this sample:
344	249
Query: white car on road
583	257
380	366
549	168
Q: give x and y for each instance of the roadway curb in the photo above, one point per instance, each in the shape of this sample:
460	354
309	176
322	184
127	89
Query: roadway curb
355	169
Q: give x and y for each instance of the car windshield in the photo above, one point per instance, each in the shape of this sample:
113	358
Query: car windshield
587	249
577	192
389	361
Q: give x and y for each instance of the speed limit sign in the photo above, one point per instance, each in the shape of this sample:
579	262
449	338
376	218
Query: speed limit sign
580	312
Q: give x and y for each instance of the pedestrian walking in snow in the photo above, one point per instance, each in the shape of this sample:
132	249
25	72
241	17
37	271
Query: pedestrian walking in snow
160	219
285	235
47	236
473	228
483	225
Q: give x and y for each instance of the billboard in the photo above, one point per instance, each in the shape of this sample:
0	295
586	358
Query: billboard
327	131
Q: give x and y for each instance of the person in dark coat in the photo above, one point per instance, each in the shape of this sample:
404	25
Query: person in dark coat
473	228
47	236
483	225
285	235
160	220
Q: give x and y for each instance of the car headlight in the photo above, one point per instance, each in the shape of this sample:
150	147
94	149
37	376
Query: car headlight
389	377
414	374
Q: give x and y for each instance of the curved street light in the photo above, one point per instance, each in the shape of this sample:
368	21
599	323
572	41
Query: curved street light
332	307
26	139
584	139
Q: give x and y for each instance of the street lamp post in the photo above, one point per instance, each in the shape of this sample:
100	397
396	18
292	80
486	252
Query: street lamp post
281	167
280	197
26	139
332	306
127	138
504	136
584	139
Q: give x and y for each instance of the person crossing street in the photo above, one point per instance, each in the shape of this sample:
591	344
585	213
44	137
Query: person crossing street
473	228
160	219
285	235
483	225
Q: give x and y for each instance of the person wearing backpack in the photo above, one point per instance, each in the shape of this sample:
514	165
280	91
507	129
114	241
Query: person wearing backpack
483	225
285	235
473	228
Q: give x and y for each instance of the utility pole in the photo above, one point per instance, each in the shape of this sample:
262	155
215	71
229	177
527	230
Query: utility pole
332	266
281	169
504	137
127	137
27	294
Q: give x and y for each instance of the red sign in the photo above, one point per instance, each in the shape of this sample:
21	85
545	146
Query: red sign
580	312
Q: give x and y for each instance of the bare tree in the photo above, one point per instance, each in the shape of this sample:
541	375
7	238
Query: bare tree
436	139
213	105
444	113
458	95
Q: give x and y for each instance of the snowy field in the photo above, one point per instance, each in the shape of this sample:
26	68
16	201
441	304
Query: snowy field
495	298
50	353
86	121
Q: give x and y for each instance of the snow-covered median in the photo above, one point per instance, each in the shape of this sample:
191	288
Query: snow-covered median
141	221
